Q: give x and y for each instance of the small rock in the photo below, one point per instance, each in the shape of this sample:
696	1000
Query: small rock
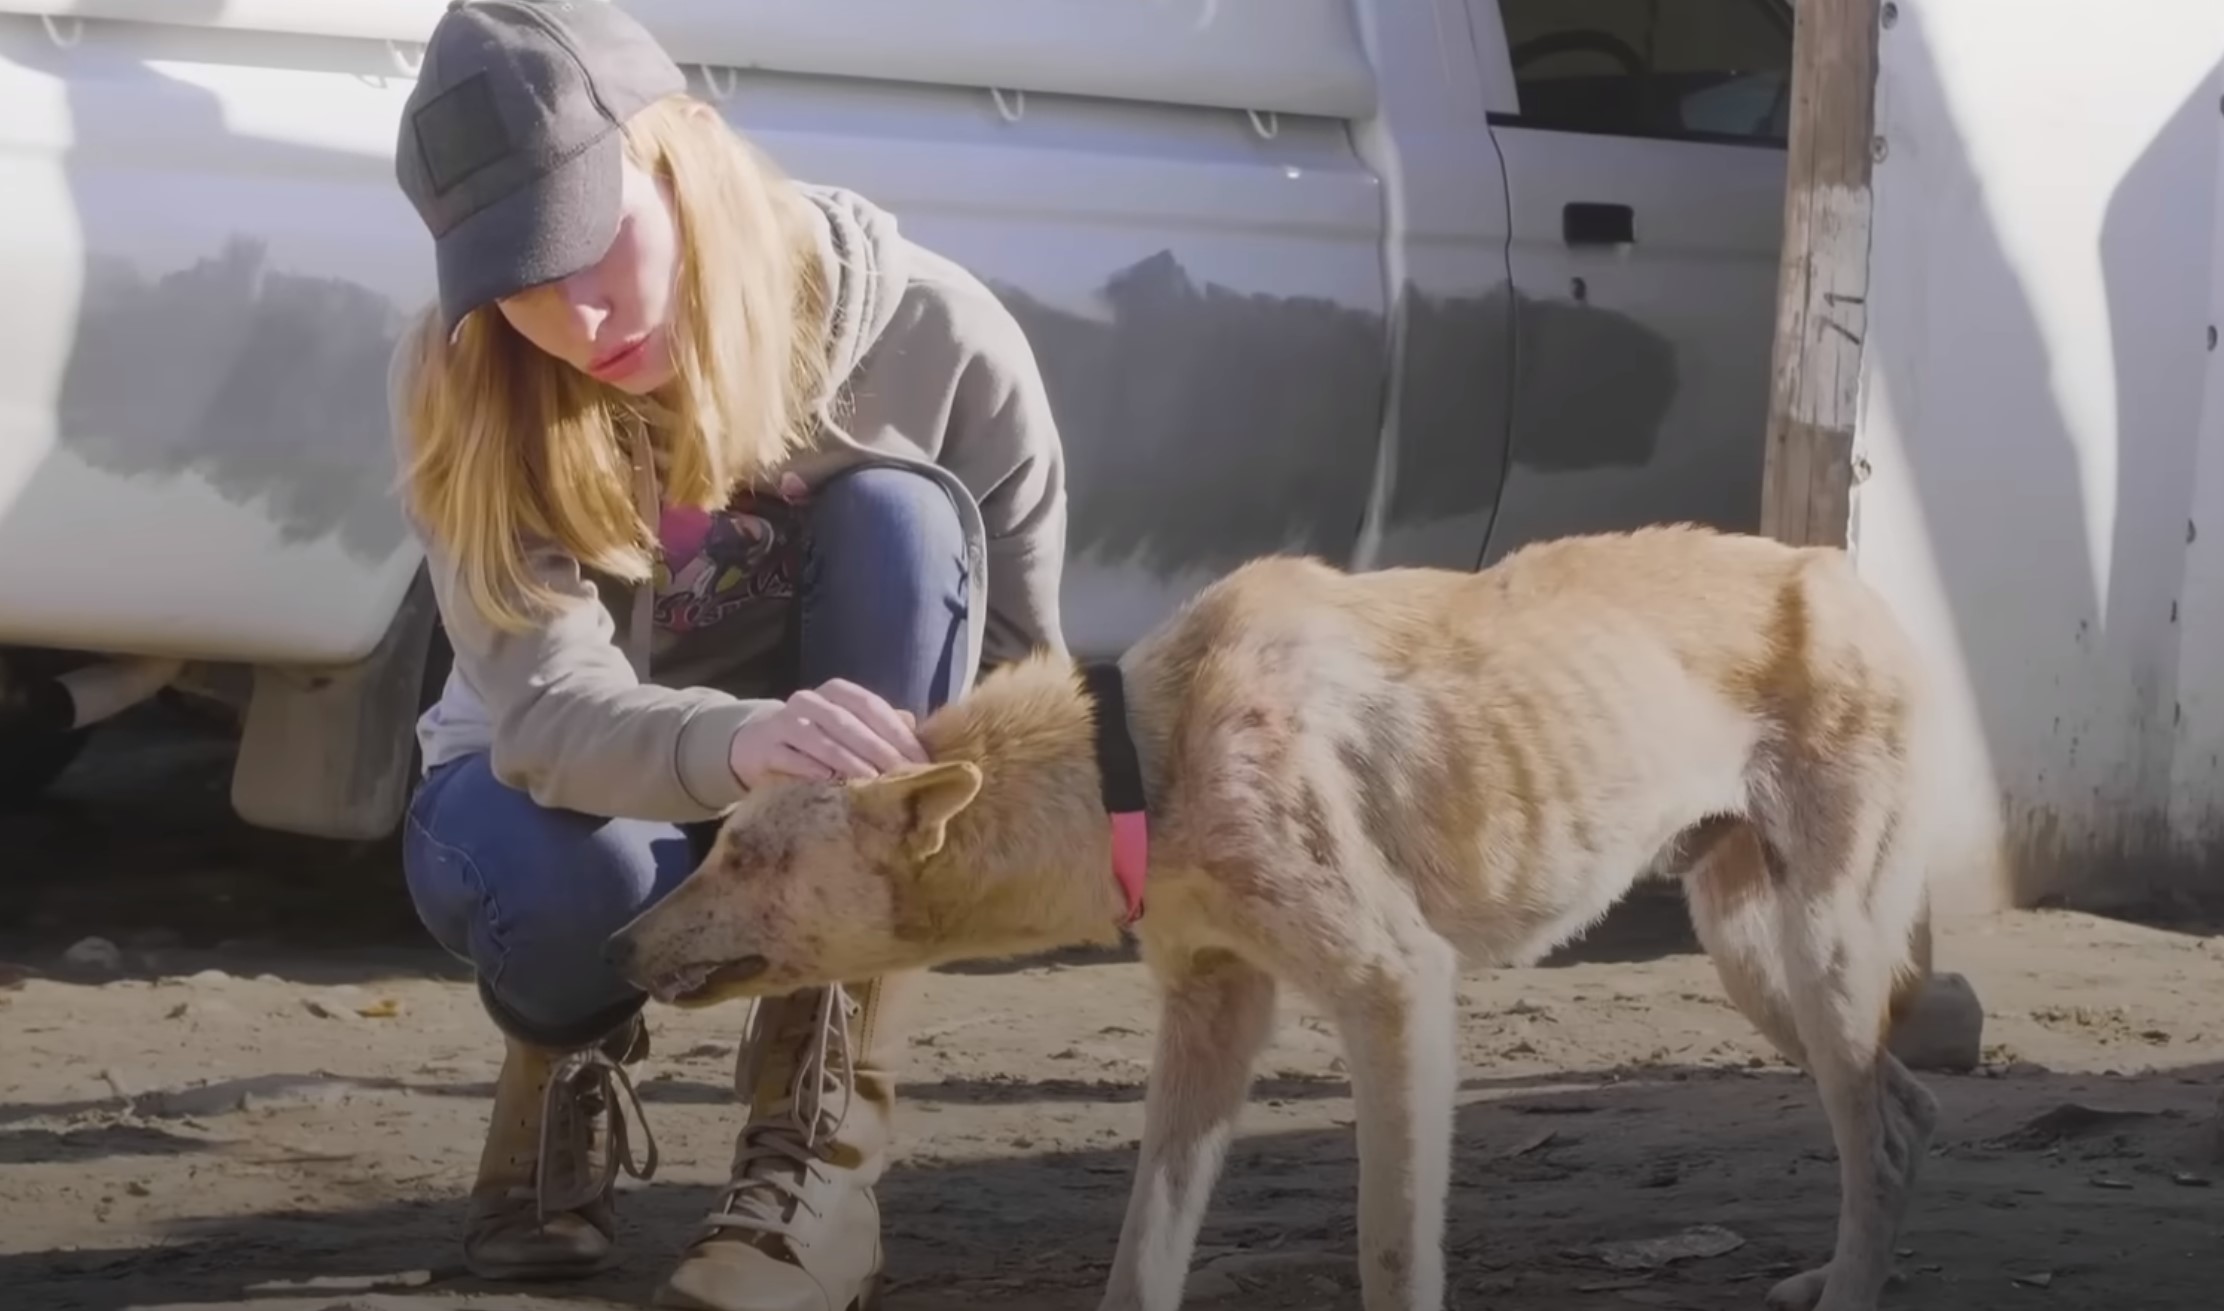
138	1189
1653	1253
2041	1279
1661	1176
345	1284
204	1008
261	1093
1225	1276
385	1008
95	954
1530	1144
1945	1028
2063	1123
2105	1181
324	1012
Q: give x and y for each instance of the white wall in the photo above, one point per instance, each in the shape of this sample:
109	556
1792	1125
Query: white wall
2042	417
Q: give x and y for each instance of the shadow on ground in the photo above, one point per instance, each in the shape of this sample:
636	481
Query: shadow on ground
1543	1177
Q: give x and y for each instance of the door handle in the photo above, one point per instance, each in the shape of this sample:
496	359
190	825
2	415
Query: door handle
1590	223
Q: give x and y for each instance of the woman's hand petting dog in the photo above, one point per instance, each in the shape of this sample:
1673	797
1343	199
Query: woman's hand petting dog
837	730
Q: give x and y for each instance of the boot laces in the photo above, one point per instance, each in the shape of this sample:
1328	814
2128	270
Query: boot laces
780	1148
583	1087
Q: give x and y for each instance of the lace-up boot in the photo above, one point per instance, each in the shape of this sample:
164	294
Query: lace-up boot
798	1226
543	1205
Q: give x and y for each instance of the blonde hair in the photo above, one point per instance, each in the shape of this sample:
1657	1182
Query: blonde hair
511	448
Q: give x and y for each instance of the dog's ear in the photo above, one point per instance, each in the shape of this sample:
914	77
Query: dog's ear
921	802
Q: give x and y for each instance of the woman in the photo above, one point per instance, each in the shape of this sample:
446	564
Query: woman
681	434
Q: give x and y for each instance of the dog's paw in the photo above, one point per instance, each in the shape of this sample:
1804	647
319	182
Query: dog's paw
1801	1292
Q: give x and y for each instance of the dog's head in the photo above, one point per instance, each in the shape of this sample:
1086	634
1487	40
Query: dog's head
807	884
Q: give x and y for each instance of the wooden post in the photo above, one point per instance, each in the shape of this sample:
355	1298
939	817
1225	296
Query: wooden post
1822	302
1823	277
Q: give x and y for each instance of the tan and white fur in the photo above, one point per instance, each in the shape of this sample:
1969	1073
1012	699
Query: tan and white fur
1360	783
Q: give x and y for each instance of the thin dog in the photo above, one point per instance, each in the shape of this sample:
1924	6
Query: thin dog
1356	784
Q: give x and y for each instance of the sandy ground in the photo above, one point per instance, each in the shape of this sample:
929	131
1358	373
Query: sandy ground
218	1123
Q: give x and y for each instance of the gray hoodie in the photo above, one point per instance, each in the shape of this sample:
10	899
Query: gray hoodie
934	375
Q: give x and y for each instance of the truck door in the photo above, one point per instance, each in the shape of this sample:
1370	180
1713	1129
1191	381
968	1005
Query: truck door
1645	171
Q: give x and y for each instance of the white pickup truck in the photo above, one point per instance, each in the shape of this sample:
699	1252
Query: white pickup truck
1389	281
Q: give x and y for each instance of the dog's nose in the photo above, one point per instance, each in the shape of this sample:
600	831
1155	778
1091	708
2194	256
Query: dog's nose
618	953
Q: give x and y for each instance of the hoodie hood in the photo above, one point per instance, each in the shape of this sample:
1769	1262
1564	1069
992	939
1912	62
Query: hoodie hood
867	270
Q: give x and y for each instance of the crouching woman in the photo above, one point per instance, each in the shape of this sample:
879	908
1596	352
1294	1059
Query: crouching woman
719	477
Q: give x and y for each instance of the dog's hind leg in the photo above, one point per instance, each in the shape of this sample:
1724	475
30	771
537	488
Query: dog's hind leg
1735	913
1217	1015
1807	949
1398	1020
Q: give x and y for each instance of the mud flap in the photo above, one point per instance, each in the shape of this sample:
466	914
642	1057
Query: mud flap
328	752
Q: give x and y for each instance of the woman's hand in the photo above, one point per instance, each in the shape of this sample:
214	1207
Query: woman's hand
838	730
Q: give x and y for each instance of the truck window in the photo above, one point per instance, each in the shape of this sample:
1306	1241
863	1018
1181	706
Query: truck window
1706	70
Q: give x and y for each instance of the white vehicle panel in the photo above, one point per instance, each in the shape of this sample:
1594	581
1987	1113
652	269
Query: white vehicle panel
1673	331
1290	56
223	262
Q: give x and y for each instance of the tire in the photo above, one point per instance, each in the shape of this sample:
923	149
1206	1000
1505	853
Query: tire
33	753
31	761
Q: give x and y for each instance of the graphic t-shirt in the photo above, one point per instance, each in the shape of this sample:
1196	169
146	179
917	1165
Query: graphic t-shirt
735	570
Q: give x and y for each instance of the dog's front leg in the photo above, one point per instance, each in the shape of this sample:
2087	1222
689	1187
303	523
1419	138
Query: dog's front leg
1217	1015
1400	1030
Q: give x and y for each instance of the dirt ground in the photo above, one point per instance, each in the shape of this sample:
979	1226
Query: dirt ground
215	1121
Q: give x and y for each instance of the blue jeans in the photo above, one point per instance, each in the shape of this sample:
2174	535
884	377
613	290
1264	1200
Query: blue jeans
528	894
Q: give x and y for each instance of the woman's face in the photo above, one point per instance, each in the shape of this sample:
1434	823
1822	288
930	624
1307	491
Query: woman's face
613	320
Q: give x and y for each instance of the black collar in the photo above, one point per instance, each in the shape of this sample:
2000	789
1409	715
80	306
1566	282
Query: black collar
1122	781
1116	759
